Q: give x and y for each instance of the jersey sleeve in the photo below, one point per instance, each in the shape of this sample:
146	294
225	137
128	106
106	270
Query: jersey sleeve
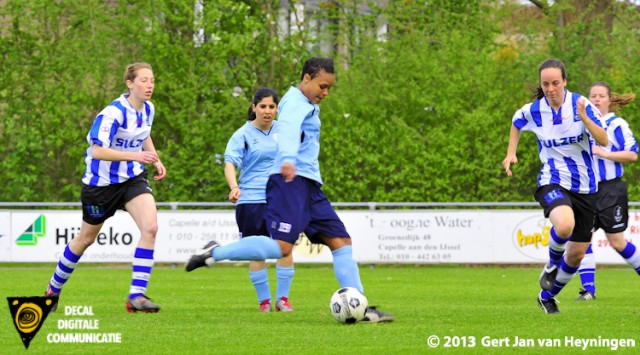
624	139
234	153
105	127
594	114
290	120
520	120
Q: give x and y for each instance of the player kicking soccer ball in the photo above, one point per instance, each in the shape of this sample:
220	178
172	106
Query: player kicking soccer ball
295	201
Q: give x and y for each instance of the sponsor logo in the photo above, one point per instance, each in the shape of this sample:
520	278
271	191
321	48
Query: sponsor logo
28	314
562	141
617	213
125	143
37	229
553	195
531	237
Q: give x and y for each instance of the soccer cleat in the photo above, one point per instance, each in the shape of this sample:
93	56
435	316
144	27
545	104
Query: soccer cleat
586	295
142	304
202	257
283	305
549	306
548	276
373	315
265	306
50	293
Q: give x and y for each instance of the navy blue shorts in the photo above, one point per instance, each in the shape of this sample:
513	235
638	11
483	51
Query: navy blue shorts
300	206
250	219
583	206
101	202
613	206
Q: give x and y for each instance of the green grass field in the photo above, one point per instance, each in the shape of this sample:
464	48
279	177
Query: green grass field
214	311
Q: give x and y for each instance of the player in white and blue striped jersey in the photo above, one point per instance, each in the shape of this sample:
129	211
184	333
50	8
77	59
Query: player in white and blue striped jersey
115	178
564	123
612	207
252	149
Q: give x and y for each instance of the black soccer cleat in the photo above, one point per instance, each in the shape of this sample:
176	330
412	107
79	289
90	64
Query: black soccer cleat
586	295
549	306
202	257
373	315
548	276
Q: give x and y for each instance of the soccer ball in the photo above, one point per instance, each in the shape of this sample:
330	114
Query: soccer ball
348	305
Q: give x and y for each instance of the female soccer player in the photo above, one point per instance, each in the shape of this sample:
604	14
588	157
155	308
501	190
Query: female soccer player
252	149
567	185
115	178
612	207
295	201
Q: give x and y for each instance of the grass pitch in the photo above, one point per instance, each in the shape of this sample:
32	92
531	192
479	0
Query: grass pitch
467	309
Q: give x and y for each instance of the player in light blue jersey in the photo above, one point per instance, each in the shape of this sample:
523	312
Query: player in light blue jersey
115	178
612	207
567	185
252	149
295	201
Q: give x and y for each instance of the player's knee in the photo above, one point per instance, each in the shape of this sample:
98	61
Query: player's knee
564	229
150	230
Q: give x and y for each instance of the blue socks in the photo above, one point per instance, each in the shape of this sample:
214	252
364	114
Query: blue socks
284	274
142	265
66	265
249	248
346	268
260	281
556	247
587	271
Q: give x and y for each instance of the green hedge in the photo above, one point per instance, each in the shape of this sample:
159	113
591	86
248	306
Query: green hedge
422	116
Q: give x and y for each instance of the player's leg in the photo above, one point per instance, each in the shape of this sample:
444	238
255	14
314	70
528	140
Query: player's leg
326	227
260	280
584	211
626	249
284	276
587	271
142	209
285	219
70	258
557	206
98	204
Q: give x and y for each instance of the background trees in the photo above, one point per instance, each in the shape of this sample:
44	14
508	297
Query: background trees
420	110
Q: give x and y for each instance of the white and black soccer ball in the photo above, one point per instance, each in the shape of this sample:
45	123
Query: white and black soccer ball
348	305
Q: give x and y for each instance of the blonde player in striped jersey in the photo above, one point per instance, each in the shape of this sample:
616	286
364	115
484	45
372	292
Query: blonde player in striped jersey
612	207
564	123
115	178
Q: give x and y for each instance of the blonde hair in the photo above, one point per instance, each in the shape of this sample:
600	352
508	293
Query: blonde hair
132	70
615	100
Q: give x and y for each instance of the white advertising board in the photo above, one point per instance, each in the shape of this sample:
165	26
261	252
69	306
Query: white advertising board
413	236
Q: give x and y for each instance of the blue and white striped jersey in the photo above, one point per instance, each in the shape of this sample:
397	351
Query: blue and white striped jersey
253	152
563	142
120	127
620	138
299	135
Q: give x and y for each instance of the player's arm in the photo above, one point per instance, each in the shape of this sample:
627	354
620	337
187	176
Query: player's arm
623	156
230	176
511	158
290	128
148	147
597	131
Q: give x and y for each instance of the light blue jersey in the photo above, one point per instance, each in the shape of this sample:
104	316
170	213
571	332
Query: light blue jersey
252	151
298	135
620	139
563	142
120	127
